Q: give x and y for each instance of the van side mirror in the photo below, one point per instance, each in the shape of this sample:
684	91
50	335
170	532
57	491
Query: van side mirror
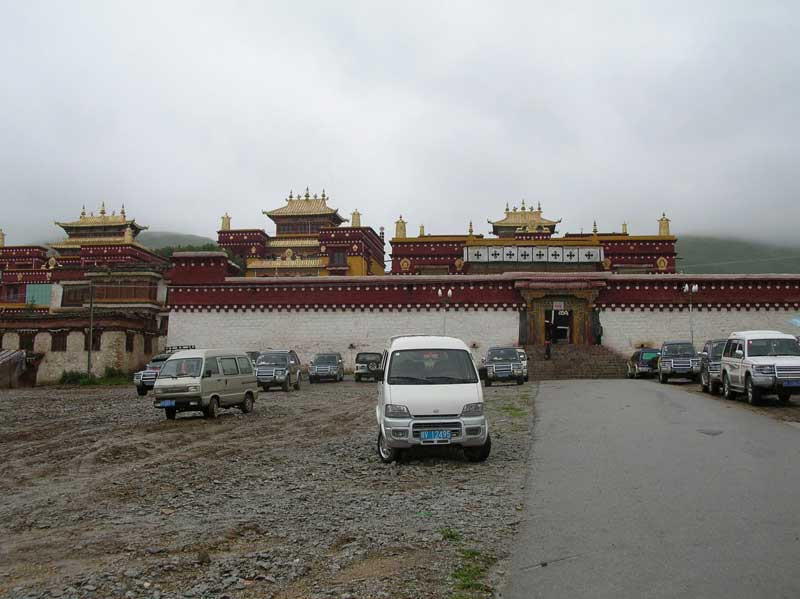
738	353
207	374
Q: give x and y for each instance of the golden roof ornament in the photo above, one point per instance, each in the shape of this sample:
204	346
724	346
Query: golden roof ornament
355	218
470	228
507	210
663	225
122	211
83	211
523	203
624	228
103	209
400	228
291	197
226	222
323	194
594	228
308	195
2	239
422	230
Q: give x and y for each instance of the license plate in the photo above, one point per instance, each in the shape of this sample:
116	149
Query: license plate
167	403
791	383
435	435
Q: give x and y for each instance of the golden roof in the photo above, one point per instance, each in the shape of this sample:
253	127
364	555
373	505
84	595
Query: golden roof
524	217
299	263
75	242
101	219
306	205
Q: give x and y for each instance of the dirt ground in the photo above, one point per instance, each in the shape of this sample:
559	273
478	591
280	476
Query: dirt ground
103	497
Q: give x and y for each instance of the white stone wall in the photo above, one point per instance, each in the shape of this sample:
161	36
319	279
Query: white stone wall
624	331
312	332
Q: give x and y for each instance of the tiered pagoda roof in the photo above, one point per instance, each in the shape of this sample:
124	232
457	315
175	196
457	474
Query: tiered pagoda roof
101	228
306	205
527	219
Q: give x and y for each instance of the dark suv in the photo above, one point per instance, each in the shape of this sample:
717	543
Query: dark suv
367	364
643	362
278	368
503	364
711	365
678	358
326	366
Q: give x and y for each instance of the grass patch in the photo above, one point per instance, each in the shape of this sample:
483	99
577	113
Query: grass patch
450	534
470	574
513	411
111	376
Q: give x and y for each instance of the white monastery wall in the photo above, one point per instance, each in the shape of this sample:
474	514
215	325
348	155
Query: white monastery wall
343	331
624	330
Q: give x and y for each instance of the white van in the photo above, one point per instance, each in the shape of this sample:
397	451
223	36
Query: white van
429	393
205	380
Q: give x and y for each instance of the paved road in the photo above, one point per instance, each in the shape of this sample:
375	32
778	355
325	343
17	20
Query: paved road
643	490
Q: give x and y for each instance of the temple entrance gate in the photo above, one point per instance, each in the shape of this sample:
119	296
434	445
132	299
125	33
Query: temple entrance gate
562	308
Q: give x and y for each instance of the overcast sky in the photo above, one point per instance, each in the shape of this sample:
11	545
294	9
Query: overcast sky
440	111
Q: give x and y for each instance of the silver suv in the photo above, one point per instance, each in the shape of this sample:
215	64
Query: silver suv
278	368
759	363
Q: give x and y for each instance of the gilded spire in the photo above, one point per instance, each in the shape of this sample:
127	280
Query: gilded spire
291	194
422	230
594	227
539	207
122	211
523	203
663	225
226	222
507	210
2	239
83	211
103	209
470	228
400	228
355	218
323	194
624	228
308	195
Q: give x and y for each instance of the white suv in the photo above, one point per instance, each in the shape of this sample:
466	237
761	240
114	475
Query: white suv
429	393
760	363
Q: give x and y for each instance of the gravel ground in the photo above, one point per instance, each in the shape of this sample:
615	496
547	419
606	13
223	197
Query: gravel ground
103	497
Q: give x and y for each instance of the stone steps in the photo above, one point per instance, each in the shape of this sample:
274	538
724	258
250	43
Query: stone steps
575	362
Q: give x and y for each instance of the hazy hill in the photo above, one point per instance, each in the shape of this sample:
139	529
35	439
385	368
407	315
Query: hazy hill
699	254
161	239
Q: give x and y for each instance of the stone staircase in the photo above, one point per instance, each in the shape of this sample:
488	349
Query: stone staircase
575	362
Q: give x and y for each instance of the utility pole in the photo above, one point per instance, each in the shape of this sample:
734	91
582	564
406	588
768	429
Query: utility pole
91	328
691	289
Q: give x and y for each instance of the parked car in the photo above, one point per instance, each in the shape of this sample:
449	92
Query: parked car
205	380
253	355
367	363
759	363
523	357
278	368
326	366
643	362
146	379
678	359
711	365
429	393
503	364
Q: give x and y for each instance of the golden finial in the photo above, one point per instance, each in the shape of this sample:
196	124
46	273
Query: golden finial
355	218
507	210
122	211
323	194
83	211
470	227
2	238
539	206
226	222
422	230
663	225
594	227
315	196
400	228
308	195
103	209
291	196
523	204
624	228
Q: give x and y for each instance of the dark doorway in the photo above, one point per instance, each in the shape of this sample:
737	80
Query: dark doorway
558	325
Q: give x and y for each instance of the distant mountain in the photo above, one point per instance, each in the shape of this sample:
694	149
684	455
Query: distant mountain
157	240
700	254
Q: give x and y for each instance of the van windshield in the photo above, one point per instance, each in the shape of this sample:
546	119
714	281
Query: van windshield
772	347
272	360
181	367
326	359
431	367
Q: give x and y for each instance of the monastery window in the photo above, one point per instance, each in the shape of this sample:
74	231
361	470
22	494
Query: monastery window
338	258
26	341
129	338
96	338
12	293
75	295
58	341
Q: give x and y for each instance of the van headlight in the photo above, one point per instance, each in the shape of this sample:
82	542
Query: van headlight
192	388
394	410
473	409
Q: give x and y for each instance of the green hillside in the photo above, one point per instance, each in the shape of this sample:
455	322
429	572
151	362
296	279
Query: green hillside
156	240
699	254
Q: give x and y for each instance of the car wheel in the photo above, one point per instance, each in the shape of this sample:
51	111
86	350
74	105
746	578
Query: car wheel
488	383
385	453
520	380
297	383
784	397
247	404
142	391
479	454
704	381
265	388
727	391
286	384
527	378
170	413
213	408
753	392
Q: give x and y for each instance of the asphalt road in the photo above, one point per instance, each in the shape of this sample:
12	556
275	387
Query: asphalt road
643	490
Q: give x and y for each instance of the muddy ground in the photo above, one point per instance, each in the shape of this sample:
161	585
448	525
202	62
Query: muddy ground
103	497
